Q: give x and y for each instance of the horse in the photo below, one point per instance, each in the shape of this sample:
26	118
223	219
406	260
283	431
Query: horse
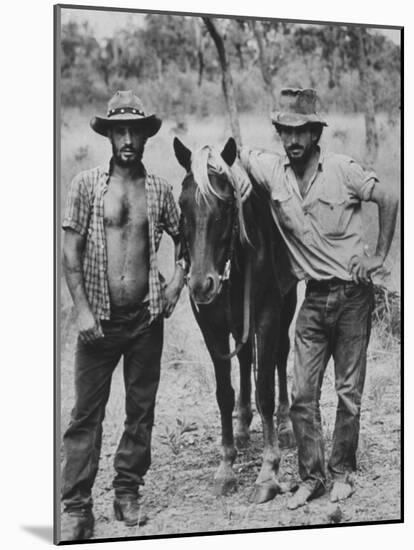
239	283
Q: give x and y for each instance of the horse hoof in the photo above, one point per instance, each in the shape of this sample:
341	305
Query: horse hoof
287	439
242	440
223	487
264	492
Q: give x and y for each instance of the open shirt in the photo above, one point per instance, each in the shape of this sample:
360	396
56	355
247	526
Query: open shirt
84	213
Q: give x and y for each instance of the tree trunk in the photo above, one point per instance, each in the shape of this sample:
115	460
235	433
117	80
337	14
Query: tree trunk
200	48
227	81
264	63
159	68
239	52
365	76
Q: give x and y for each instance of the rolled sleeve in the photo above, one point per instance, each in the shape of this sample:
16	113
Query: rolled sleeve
360	182
170	217
77	208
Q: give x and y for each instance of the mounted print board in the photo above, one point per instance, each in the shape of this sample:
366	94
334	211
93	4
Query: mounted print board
227	329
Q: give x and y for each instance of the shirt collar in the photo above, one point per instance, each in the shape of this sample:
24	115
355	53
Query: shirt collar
106	171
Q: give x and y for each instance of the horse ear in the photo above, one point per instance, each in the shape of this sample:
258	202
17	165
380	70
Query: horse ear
229	152
182	153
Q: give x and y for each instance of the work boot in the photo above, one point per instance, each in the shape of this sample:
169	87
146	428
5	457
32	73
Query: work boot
128	510
77	525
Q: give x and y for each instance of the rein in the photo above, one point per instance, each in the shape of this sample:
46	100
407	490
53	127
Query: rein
225	276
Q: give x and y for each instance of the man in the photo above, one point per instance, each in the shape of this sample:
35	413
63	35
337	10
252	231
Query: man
316	199
113	224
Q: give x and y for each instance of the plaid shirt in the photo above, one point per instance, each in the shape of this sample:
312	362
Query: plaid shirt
84	213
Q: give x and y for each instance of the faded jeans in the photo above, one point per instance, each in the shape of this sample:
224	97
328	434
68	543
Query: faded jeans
334	320
130	335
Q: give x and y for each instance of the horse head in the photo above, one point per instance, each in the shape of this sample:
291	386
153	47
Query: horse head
211	214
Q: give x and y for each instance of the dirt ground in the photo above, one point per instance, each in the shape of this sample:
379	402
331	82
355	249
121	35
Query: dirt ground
178	495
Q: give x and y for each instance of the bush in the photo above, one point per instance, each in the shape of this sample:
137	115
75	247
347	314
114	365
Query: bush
387	314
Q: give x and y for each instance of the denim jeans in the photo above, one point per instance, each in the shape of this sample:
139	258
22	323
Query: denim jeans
334	320
128	334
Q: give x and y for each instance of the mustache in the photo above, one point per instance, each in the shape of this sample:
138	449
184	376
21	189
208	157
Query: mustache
295	146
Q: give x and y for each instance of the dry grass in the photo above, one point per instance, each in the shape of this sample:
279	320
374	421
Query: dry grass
387	315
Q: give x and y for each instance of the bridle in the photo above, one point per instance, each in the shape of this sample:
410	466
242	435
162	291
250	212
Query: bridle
225	276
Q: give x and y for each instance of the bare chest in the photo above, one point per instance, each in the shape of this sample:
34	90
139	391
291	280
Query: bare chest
125	206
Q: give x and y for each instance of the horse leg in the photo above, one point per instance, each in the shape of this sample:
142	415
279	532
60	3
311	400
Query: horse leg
284	424
244	409
267	485
224	478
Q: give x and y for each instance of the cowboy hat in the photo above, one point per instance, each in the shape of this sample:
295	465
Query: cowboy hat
125	107
297	108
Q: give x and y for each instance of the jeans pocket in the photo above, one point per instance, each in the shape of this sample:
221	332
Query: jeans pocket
354	290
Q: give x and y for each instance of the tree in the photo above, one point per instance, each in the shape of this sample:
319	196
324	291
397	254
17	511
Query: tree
342	49
366	79
173	40
227	80
264	61
80	54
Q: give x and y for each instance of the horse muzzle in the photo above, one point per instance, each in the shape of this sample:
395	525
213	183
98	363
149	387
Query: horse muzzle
204	289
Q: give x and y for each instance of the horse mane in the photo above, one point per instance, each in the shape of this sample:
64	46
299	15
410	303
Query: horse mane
205	160
255	213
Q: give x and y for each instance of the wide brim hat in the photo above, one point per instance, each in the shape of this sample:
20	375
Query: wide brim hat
126	107
297	107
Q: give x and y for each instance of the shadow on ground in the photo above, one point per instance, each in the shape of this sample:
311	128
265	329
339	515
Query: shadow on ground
44	532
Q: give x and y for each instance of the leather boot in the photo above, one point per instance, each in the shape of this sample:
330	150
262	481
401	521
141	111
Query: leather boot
77	525
128	510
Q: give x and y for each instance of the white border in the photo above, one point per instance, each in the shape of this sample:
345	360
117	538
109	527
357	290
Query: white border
27	267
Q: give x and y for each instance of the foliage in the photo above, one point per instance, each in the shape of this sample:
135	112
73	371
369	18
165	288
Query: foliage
175	437
172	59
387	314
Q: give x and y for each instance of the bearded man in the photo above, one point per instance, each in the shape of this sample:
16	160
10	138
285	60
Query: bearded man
113	222
316	198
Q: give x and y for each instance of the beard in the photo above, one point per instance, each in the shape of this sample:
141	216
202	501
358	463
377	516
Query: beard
302	156
133	159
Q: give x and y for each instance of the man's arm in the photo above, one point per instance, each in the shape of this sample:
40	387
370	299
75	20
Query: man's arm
171	225
259	164
362	267
89	327
174	287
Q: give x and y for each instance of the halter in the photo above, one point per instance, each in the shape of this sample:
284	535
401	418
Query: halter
225	275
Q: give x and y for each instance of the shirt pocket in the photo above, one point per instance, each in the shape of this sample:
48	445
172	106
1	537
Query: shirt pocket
283	203
330	214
